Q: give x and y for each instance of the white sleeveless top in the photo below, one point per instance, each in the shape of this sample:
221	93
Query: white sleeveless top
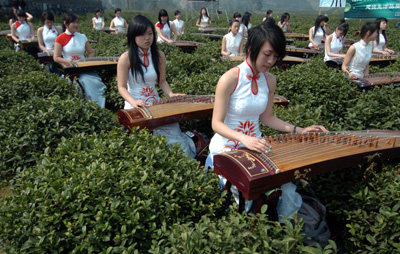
233	43
119	23
361	58
178	25
73	45
23	30
165	30
336	46
244	109
382	42
285	28
204	21
98	22
49	36
240	32
319	36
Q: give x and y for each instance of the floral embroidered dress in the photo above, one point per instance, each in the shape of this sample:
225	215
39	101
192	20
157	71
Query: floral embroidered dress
147	92
336	46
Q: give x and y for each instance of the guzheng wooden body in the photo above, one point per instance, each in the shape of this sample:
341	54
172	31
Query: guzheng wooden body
377	79
208	30
187	46
5	32
45	57
287	60
294	157
90	64
381	59
297	36
301	52
173	110
24	44
213	37
105	29
349	41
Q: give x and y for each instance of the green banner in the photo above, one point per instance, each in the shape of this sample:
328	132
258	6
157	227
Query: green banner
367	9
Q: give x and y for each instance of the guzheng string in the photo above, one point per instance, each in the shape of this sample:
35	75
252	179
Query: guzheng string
316	145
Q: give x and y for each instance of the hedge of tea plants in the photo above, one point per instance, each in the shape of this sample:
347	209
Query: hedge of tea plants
80	184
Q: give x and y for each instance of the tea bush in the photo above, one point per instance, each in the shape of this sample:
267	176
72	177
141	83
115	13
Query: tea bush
108	192
12	63
28	128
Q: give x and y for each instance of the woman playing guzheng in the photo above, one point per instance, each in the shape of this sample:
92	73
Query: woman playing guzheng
244	97
232	43
21	29
69	48
118	24
48	33
139	69
356	61
380	46
164	28
334	42
316	34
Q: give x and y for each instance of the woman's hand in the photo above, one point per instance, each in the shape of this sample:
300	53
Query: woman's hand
256	144
352	76
390	51
139	104
314	128
176	94
229	53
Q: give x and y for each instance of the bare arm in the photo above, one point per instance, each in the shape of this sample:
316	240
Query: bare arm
32	30
125	23
349	55
29	17
241	47
223	48
173	29
40	40
311	36
112	25
93	23
102	23
123	69
14	35
89	49
57	55
183	28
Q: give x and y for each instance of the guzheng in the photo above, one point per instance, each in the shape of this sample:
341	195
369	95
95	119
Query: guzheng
5	32
105	29
173	110
208	30
380	58
301	52
187	46
24	44
294	157
349	41
45	57
376	79
297	36
90	64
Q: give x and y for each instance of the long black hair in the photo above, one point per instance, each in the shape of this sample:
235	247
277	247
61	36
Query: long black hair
137	27
68	19
267	31
378	24
246	19
284	16
317	23
163	13
370	27
343	26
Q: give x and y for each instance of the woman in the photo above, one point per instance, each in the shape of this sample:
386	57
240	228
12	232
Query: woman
118	24
268	16
179	23
284	23
13	16
203	21
139	69
97	20
246	23
69	48
237	16
164	28
244	97
326	27
356	61
380	42
232	43
21	29
317	33
48	33
334	42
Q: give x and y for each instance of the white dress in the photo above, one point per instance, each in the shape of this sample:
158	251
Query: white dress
119	24
319	36
336	46
98	22
204	22
165	30
361	58
23	30
73	48
241	29
146	91
178	25
49	37
382	42
233	43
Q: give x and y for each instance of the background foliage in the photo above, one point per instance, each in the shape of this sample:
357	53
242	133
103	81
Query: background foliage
80	184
